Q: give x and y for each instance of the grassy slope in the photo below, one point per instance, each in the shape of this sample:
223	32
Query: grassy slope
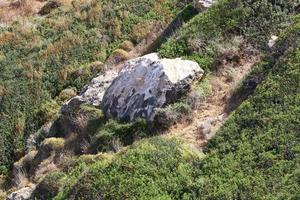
225	26
254	156
38	58
151	169
256	153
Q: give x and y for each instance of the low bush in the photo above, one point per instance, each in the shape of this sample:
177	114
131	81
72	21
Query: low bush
49	186
155	168
65	95
119	55
175	113
113	135
127	45
53	144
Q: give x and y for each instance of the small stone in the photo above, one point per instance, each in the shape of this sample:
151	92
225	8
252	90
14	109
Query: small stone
48	7
272	41
203	4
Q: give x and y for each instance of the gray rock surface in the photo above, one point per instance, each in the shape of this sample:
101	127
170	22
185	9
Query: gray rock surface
147	83
22	194
93	93
272	41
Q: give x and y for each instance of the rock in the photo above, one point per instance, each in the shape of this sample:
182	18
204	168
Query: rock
48	7
272	41
203	4
93	93
297	9
22	194
17	4
147	83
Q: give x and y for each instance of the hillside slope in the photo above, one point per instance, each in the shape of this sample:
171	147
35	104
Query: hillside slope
255	155
42	56
235	135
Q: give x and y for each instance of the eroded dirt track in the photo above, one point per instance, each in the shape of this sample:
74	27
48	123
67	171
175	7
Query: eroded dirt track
212	113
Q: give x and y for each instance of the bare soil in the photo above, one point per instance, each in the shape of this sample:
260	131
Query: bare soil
212	112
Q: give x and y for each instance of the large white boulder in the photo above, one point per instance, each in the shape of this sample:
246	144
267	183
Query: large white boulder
93	93
147	83
203	4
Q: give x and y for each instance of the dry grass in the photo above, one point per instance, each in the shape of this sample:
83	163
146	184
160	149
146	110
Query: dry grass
213	112
81	121
3	195
7	37
44	168
11	10
64	160
141	31
19	126
3	90
20	178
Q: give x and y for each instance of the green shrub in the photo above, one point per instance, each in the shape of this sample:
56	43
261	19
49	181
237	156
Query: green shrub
224	21
55	144
172	114
114	135
151	169
66	95
49	186
119	55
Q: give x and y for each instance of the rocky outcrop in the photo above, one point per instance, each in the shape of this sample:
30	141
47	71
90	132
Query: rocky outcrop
22	194
49	6
203	4
147	83
93	93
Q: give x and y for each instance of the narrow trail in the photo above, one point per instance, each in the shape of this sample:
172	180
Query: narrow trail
211	114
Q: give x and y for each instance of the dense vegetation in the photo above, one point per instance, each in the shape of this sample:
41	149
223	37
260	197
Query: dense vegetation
256	153
227	25
40	57
155	168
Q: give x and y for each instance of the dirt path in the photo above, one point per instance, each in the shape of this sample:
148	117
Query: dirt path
211	114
